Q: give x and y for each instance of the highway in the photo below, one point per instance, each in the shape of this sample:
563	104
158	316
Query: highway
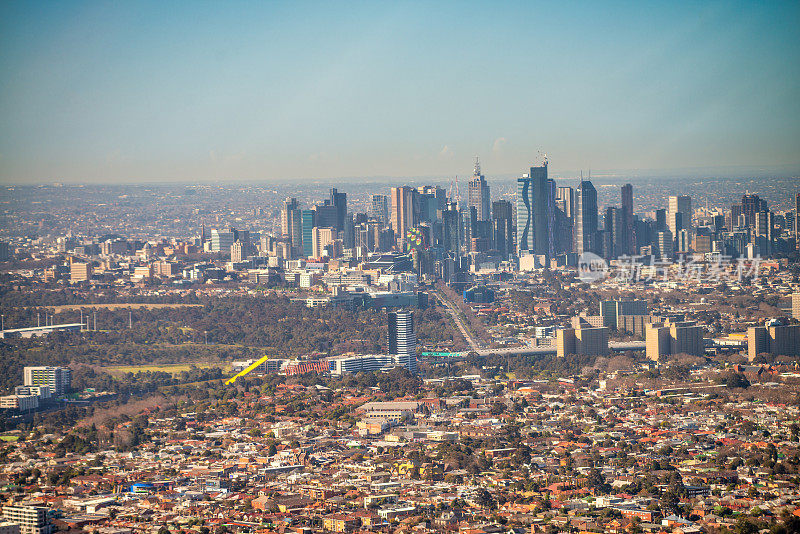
453	311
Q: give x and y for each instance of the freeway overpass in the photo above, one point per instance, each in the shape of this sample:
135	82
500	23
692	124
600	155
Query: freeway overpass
527	351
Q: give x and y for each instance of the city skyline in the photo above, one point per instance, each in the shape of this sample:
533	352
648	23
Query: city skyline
277	93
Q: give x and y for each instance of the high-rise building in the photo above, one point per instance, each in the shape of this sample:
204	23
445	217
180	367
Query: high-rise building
796	305
535	203
238	252
502	227
797	221
679	204
402	339
611	310
661	220
479	193
627	238
586	228
565	201
402	214
339	201
307	220
781	340
662	339
379	209
752	204
80	271
583	339
58	379
764	231
613	242
291	224
451	229
666	245
321	238
221	241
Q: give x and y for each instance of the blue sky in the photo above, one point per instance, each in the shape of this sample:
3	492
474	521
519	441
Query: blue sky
163	91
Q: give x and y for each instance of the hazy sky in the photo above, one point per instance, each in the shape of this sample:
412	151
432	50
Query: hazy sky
154	91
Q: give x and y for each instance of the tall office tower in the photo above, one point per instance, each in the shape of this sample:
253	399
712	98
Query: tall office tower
348	231
427	206
627	237
238	252
221	241
379	209
586	218
339	201
751	205
502	227
535	212
307	219
468	218
796	305
479	193
613	243
437	192
565	201
682	241
764	231
291	224
661	220
402	340
451	222
58	379
402	214
679	204
666	245
325	215
321	238
80	271
797	221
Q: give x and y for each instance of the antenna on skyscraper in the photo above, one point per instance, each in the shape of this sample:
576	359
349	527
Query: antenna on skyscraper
477	171
458	195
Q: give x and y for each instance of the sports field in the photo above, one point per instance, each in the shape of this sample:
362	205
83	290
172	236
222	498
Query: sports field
166	368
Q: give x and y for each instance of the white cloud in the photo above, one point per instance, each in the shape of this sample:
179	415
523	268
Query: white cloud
446	152
497	146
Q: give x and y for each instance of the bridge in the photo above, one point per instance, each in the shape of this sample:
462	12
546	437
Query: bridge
613	346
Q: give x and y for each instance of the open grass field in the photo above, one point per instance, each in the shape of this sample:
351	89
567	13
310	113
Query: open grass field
166	368
9	438
117	306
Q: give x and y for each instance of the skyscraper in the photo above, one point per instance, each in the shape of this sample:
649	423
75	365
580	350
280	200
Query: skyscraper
307	224
613	244
339	201
679	204
291	224
627	240
402	214
666	245
379	209
586	218
565	201
451	229
502	227
402	340
535	199
479	193
797	221
751	205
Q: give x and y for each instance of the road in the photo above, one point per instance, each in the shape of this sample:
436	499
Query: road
454	313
